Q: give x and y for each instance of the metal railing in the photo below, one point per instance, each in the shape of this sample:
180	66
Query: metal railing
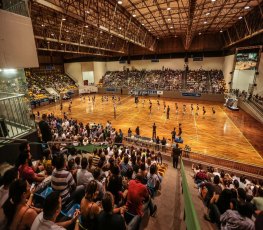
190	216
194	156
16	6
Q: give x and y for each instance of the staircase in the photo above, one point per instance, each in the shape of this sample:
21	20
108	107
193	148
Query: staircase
252	108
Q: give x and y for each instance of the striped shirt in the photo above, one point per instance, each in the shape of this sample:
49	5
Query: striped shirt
95	160
62	181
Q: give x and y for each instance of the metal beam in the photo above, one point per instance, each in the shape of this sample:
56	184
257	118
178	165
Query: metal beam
189	35
78	17
76	44
244	38
71	51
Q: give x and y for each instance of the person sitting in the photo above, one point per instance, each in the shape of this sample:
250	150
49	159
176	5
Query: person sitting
83	175
138	196
107	219
114	183
89	209
237	219
9	176
62	181
124	166
179	139
96	175
258	201
153	181
52	208
26	172
17	209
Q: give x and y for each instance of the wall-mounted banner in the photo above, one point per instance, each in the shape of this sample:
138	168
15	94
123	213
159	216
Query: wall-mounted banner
192	94
88	89
146	92
111	90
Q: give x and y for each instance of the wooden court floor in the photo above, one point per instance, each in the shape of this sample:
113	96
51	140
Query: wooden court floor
219	134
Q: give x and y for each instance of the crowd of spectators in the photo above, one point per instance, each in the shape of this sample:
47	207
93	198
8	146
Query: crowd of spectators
166	79
38	82
232	202
205	81
111	187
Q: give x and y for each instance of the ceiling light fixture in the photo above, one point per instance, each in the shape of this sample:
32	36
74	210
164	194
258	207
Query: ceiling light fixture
142	24
119	28
87	11
119	2
86	26
63	19
247	7
42	25
101	32
171	27
52	34
199	33
207	13
134	15
213	0
240	17
67	31
169	19
221	31
205	22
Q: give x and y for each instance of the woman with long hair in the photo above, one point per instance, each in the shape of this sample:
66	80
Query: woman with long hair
18	210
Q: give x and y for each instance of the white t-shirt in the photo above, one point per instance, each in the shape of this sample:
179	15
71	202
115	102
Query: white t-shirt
84	177
41	224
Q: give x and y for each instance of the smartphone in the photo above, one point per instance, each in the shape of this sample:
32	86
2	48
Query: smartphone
32	187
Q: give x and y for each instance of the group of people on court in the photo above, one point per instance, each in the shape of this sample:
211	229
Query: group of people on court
167	109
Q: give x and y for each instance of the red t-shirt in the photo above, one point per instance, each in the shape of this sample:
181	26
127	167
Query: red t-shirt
26	172
137	193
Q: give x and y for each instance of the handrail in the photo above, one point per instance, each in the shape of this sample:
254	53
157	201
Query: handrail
190	216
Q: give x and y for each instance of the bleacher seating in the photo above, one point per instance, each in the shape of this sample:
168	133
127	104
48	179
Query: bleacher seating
39	81
197	81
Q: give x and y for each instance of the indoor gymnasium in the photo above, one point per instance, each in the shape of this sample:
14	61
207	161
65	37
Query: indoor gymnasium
131	114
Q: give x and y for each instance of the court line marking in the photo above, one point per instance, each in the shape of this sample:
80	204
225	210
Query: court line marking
241	133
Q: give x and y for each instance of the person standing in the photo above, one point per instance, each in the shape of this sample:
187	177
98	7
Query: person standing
176	153
168	112
180	130
154	131
173	135
45	129
137	131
